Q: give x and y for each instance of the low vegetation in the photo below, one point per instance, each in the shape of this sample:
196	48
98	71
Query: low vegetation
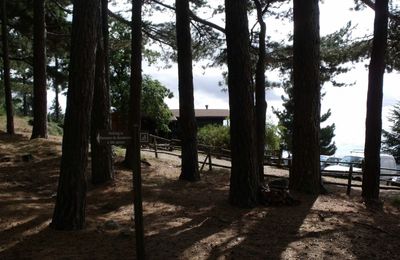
218	136
214	135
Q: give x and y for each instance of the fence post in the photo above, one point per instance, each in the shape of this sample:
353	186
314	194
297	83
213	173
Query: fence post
155	147
349	179
209	160
202	165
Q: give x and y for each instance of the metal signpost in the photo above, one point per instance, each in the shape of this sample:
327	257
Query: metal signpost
122	138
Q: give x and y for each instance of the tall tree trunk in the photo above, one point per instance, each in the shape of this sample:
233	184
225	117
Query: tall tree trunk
244	180
25	104
187	120
6	68
261	104
102	163
135	120
134	115
57	92
39	129
56	103
305	172
373	123
69	212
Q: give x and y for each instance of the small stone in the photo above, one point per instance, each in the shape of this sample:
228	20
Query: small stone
126	232
5	159
27	157
111	225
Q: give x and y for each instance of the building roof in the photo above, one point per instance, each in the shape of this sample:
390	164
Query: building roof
205	113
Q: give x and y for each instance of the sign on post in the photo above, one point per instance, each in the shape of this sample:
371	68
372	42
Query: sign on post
144	138
106	137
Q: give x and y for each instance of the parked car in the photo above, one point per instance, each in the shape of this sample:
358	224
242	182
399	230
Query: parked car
326	161
395	181
343	167
388	166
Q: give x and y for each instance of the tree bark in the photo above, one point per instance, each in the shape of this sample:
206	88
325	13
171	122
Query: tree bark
373	123
69	212
136	83
56	91
6	71
102	163
187	120
261	104
39	129
135	117
25	104
244	180
305	172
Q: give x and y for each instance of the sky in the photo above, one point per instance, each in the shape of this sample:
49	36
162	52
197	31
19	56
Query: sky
347	104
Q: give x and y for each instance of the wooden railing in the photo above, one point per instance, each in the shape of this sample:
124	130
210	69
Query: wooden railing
162	145
357	175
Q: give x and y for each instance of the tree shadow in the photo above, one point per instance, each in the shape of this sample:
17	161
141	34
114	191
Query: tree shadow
181	220
207	221
266	233
27	201
378	232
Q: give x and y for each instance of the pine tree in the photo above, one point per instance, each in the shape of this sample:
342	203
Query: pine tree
244	182
391	142
102	162
373	123
305	171
69	211
285	117
39	129
187	120
6	72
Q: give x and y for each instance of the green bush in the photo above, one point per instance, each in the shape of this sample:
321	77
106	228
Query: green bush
214	135
53	128
217	135
272	137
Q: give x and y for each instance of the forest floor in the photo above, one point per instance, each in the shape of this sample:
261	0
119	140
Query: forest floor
182	220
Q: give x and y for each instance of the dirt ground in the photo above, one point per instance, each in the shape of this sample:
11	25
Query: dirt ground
182	220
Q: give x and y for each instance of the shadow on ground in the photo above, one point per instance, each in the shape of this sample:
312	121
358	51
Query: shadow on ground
182	220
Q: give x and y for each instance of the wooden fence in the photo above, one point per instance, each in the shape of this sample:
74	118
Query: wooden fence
167	146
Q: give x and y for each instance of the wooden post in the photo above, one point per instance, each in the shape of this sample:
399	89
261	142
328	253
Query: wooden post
137	194
155	146
349	179
202	166
209	160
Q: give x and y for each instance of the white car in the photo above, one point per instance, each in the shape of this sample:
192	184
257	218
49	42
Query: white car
343	167
388	166
395	181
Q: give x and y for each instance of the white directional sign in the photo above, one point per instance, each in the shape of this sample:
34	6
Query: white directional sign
118	138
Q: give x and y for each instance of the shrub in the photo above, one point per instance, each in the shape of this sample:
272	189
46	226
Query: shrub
54	128
214	135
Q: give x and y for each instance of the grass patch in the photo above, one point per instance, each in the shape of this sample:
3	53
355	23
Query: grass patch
20	124
54	129
24	125
395	201
118	151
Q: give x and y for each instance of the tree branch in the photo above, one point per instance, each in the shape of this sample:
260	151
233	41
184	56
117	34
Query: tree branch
205	22
61	7
371	5
118	18
194	17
